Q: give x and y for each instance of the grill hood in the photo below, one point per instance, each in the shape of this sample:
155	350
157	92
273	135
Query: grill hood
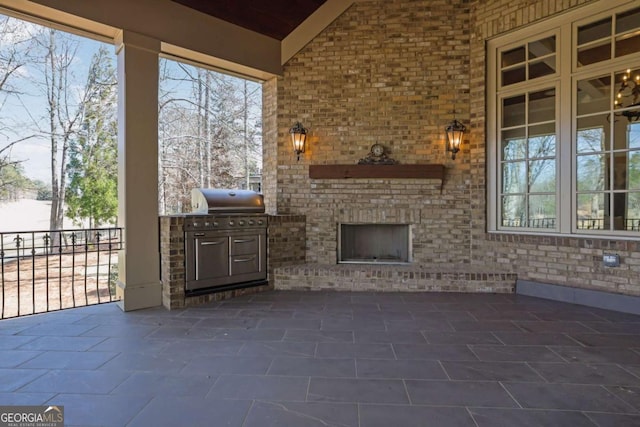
212	200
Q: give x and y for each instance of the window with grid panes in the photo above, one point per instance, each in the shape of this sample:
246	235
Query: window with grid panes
564	124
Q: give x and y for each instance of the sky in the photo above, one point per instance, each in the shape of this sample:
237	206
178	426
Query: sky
19	115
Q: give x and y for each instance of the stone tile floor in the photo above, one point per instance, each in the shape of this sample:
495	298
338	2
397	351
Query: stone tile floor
306	359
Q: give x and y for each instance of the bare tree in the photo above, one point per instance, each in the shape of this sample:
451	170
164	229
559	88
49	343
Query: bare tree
15	53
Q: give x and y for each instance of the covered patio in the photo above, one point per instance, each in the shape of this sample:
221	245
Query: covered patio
295	358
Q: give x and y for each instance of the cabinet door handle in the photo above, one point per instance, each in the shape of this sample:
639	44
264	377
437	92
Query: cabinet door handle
245	259
218	242
243	240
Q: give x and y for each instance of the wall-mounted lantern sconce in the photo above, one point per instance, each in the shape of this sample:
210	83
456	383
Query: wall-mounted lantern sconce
298	138
455	131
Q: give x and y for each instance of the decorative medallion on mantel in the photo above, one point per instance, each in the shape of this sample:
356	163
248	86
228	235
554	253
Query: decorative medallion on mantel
378	155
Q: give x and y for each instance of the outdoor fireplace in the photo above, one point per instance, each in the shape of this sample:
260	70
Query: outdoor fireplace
374	243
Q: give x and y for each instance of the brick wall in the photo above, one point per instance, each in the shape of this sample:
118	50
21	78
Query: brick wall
393	72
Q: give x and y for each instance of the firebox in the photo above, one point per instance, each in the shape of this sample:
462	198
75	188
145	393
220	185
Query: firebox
374	243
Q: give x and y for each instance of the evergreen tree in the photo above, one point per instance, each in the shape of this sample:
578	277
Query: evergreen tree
92	191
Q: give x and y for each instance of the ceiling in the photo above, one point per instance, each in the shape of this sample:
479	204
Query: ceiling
273	18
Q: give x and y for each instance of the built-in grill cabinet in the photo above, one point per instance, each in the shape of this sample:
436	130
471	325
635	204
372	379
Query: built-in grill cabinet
225	240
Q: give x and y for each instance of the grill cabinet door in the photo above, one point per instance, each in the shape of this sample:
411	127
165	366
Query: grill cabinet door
245	254
211	257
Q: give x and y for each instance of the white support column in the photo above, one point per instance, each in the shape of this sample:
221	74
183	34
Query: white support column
138	273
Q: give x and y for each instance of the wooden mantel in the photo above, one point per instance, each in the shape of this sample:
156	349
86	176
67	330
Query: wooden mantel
414	171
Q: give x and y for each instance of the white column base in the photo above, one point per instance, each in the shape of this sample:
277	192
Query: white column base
139	296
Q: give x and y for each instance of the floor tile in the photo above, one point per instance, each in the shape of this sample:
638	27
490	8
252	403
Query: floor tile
413	416
353	325
357	391
433	352
274	323
318	336
582	373
483	325
128	362
553	326
598	354
357	350
228	365
11	342
299	414
567	397
273	387
534	338
312	367
614	420
248	334
399	369
397	359
504	353
68	381
427	325
56	330
270	349
98	410
25	399
461	338
486	417
608	340
160	384
631	395
13	358
61	343
491	371
14	379
69	360
397	337
459	393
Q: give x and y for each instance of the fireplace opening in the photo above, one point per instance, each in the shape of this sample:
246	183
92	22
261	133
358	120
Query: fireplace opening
374	243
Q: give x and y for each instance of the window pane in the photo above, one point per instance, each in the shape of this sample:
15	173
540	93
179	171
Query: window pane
542	211
513	144
626	84
634	135
619	211
627	171
626	134
591	211
542	176
514	177
542	140
627	21
542	106
542	47
513	111
632	222
594	31
593	53
591	134
627	45
513	56
542	68
514	75
633	174
594	95
592	172
513	211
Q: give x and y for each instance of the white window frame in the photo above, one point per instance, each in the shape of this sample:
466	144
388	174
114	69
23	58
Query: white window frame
567	74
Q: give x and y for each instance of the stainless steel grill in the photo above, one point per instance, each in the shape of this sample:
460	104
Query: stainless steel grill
225	240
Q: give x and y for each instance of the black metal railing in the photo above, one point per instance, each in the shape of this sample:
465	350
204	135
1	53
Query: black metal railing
629	224
50	270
